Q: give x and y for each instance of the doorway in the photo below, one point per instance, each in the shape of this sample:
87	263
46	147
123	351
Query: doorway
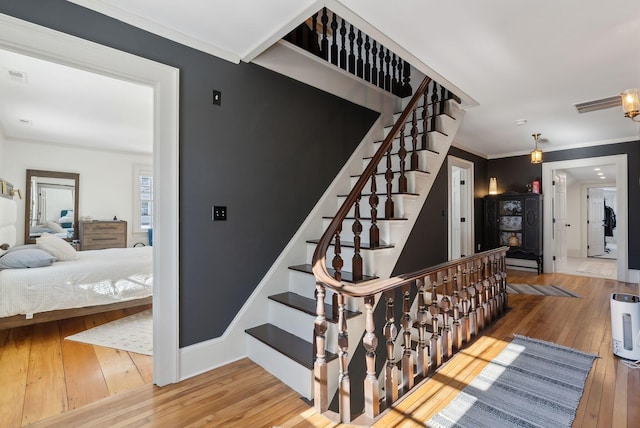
40	42
460	201
577	236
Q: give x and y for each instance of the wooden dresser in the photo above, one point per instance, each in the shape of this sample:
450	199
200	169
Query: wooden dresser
98	234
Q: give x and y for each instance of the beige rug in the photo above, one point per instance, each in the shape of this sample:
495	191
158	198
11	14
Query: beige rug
133	333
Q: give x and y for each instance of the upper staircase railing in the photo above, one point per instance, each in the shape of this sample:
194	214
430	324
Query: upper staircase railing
333	39
472	290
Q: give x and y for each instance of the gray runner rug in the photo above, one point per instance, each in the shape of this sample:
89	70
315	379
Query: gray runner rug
531	383
540	290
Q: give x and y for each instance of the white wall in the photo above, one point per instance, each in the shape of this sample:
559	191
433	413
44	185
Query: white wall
574	218
2	158
106	178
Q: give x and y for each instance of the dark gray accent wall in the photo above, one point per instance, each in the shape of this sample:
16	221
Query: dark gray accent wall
427	244
515	172
267	153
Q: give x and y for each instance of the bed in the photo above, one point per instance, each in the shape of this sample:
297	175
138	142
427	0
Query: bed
89	282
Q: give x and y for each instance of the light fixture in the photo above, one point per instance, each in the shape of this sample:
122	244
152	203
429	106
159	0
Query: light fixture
631	104
536	155
493	186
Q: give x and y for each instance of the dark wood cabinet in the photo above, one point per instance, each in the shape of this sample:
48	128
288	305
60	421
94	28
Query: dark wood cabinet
515	220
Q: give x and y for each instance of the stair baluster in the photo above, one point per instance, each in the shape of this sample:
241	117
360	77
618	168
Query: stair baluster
381	69
334	40
352	55
480	295
370	343
402	154
344	384
456	330
464	295
374	67
324	43
445	307
394	77
408	371
425	120
434	106
374	231
356	228
391	370
389	209
343	45
414	141
406	90
435	349
422	317
367	63
320	372
359	62
387	70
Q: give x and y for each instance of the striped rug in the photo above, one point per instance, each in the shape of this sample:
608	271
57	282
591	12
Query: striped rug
540	290
531	383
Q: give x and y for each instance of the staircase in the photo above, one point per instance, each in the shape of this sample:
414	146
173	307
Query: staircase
282	341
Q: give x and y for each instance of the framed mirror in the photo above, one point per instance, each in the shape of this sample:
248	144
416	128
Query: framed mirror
51	204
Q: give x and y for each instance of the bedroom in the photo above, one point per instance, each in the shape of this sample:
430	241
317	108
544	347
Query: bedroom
40	140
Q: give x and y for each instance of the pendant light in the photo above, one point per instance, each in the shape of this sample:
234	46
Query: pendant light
536	154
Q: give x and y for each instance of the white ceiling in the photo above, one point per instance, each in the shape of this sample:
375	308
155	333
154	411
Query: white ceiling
516	60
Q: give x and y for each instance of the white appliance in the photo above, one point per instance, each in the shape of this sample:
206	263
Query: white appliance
625	325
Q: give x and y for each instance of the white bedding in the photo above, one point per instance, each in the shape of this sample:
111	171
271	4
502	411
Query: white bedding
98	277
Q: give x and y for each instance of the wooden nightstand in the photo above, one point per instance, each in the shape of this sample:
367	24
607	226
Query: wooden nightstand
99	234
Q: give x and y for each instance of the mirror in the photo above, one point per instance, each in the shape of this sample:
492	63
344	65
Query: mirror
51	204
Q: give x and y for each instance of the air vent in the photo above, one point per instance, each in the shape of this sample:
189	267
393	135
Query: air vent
600	104
18	76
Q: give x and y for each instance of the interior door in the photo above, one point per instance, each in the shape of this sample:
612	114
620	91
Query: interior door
560	218
595	222
456	244
461	236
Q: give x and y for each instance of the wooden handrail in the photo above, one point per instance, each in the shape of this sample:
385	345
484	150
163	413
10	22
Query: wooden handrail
320	271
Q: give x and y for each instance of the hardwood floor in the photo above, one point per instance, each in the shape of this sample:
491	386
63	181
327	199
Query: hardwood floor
244	395
43	375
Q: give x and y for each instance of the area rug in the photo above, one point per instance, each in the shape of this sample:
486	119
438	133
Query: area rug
531	383
133	333
598	267
539	290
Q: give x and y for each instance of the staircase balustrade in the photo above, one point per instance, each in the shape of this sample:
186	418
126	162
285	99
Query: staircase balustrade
335	40
455	300
449	290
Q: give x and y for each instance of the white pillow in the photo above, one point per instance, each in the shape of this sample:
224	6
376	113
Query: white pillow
55	227
57	247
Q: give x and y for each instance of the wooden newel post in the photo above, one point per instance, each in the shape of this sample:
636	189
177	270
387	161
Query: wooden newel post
370	343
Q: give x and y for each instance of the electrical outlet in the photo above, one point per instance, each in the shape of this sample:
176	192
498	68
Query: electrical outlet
218	213
217	98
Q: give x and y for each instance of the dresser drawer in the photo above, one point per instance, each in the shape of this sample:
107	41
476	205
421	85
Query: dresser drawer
97	235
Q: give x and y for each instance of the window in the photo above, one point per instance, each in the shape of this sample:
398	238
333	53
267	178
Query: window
143	199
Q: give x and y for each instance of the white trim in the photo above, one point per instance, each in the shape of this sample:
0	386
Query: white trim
44	43
568	147
158	29
623	274
466	165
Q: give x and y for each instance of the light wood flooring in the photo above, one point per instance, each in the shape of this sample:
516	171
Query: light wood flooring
243	395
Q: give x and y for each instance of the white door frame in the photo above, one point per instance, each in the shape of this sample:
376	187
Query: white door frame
453	161
41	42
548	168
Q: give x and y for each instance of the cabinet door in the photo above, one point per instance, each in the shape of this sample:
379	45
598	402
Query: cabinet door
531	224
491	238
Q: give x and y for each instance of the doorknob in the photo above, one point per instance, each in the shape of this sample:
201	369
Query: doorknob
568	225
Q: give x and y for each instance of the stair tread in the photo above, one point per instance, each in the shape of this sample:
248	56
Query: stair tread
346	276
308	305
363	245
290	345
